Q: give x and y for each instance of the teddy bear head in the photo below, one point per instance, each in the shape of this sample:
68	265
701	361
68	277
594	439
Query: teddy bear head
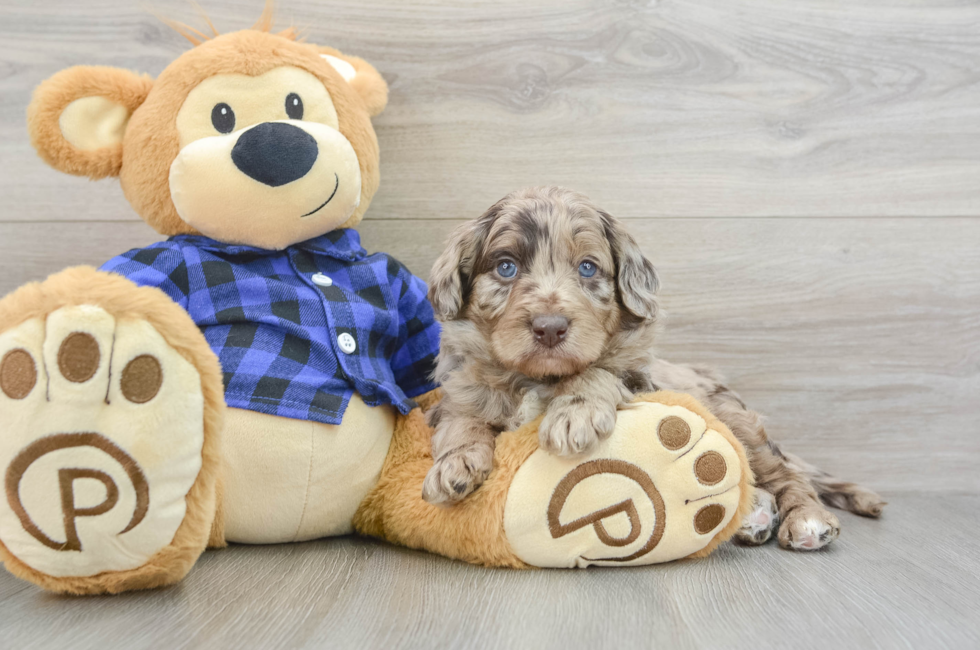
248	138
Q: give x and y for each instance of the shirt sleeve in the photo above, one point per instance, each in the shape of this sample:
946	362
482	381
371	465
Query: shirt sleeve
159	265
413	363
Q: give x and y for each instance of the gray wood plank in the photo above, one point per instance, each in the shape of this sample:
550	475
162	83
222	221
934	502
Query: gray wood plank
858	338
884	584
702	108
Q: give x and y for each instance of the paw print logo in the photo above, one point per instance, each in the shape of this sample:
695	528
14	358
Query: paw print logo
66	483
595	519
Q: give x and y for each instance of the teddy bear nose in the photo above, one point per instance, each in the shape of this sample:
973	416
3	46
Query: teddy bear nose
275	153
549	329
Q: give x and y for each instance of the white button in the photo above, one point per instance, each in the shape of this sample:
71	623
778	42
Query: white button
321	280
347	343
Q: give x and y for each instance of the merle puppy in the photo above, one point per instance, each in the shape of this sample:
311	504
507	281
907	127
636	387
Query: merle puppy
549	306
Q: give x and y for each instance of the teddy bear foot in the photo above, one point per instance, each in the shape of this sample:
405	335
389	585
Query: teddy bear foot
670	483
102	450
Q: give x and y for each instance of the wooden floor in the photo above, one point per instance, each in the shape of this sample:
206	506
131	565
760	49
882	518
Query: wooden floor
806	177
911	580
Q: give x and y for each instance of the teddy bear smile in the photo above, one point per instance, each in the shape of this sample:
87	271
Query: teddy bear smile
330	198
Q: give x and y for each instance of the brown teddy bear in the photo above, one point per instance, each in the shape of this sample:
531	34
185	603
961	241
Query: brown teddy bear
252	378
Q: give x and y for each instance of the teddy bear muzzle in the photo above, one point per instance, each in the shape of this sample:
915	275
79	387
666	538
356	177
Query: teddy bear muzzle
269	185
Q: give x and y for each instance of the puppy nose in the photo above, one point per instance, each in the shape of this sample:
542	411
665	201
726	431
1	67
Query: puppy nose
275	153
550	329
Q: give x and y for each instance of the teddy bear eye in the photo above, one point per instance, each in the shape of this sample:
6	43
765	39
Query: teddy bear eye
223	118
294	106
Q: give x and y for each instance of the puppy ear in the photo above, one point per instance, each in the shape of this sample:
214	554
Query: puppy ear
452	271
362	77
78	117
635	276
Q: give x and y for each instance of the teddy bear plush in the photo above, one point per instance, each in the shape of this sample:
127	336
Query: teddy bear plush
257	377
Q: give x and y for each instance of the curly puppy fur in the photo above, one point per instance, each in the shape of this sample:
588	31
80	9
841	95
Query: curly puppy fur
549	306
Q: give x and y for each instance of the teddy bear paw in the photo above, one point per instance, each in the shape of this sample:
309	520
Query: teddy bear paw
662	487
101	436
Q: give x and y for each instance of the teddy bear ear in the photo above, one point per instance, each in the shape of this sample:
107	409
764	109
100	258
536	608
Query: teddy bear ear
78	117
363	78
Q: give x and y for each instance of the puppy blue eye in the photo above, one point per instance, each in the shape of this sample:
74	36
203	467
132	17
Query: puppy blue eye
586	269
507	269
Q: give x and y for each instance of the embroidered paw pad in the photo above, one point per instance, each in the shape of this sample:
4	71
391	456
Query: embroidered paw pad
101	434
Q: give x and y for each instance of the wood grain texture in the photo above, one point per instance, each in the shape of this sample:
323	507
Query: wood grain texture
655	108
877	587
858	338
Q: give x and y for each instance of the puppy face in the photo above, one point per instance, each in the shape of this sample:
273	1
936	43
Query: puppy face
548	279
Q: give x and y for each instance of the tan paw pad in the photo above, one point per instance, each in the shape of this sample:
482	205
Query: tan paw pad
78	357
710	468
18	374
141	379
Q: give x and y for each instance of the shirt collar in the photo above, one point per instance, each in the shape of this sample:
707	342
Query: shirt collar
342	244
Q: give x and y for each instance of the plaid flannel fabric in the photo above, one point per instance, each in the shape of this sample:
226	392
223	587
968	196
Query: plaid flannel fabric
292	347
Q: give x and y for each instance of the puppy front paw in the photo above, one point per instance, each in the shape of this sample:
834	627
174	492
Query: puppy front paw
456	474
575	424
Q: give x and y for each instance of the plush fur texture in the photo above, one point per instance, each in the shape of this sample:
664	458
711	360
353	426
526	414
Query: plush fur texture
50	99
369	84
122	299
151	141
473	529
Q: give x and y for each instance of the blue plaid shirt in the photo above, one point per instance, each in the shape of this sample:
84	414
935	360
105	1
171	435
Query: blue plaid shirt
292	347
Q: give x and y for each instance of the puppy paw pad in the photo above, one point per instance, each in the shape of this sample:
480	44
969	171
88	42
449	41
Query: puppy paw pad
455	475
808	529
761	522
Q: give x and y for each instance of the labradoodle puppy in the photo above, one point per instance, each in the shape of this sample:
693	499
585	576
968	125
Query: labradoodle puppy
549	306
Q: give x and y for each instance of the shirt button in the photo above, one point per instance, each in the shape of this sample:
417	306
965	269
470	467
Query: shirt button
347	343
322	280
